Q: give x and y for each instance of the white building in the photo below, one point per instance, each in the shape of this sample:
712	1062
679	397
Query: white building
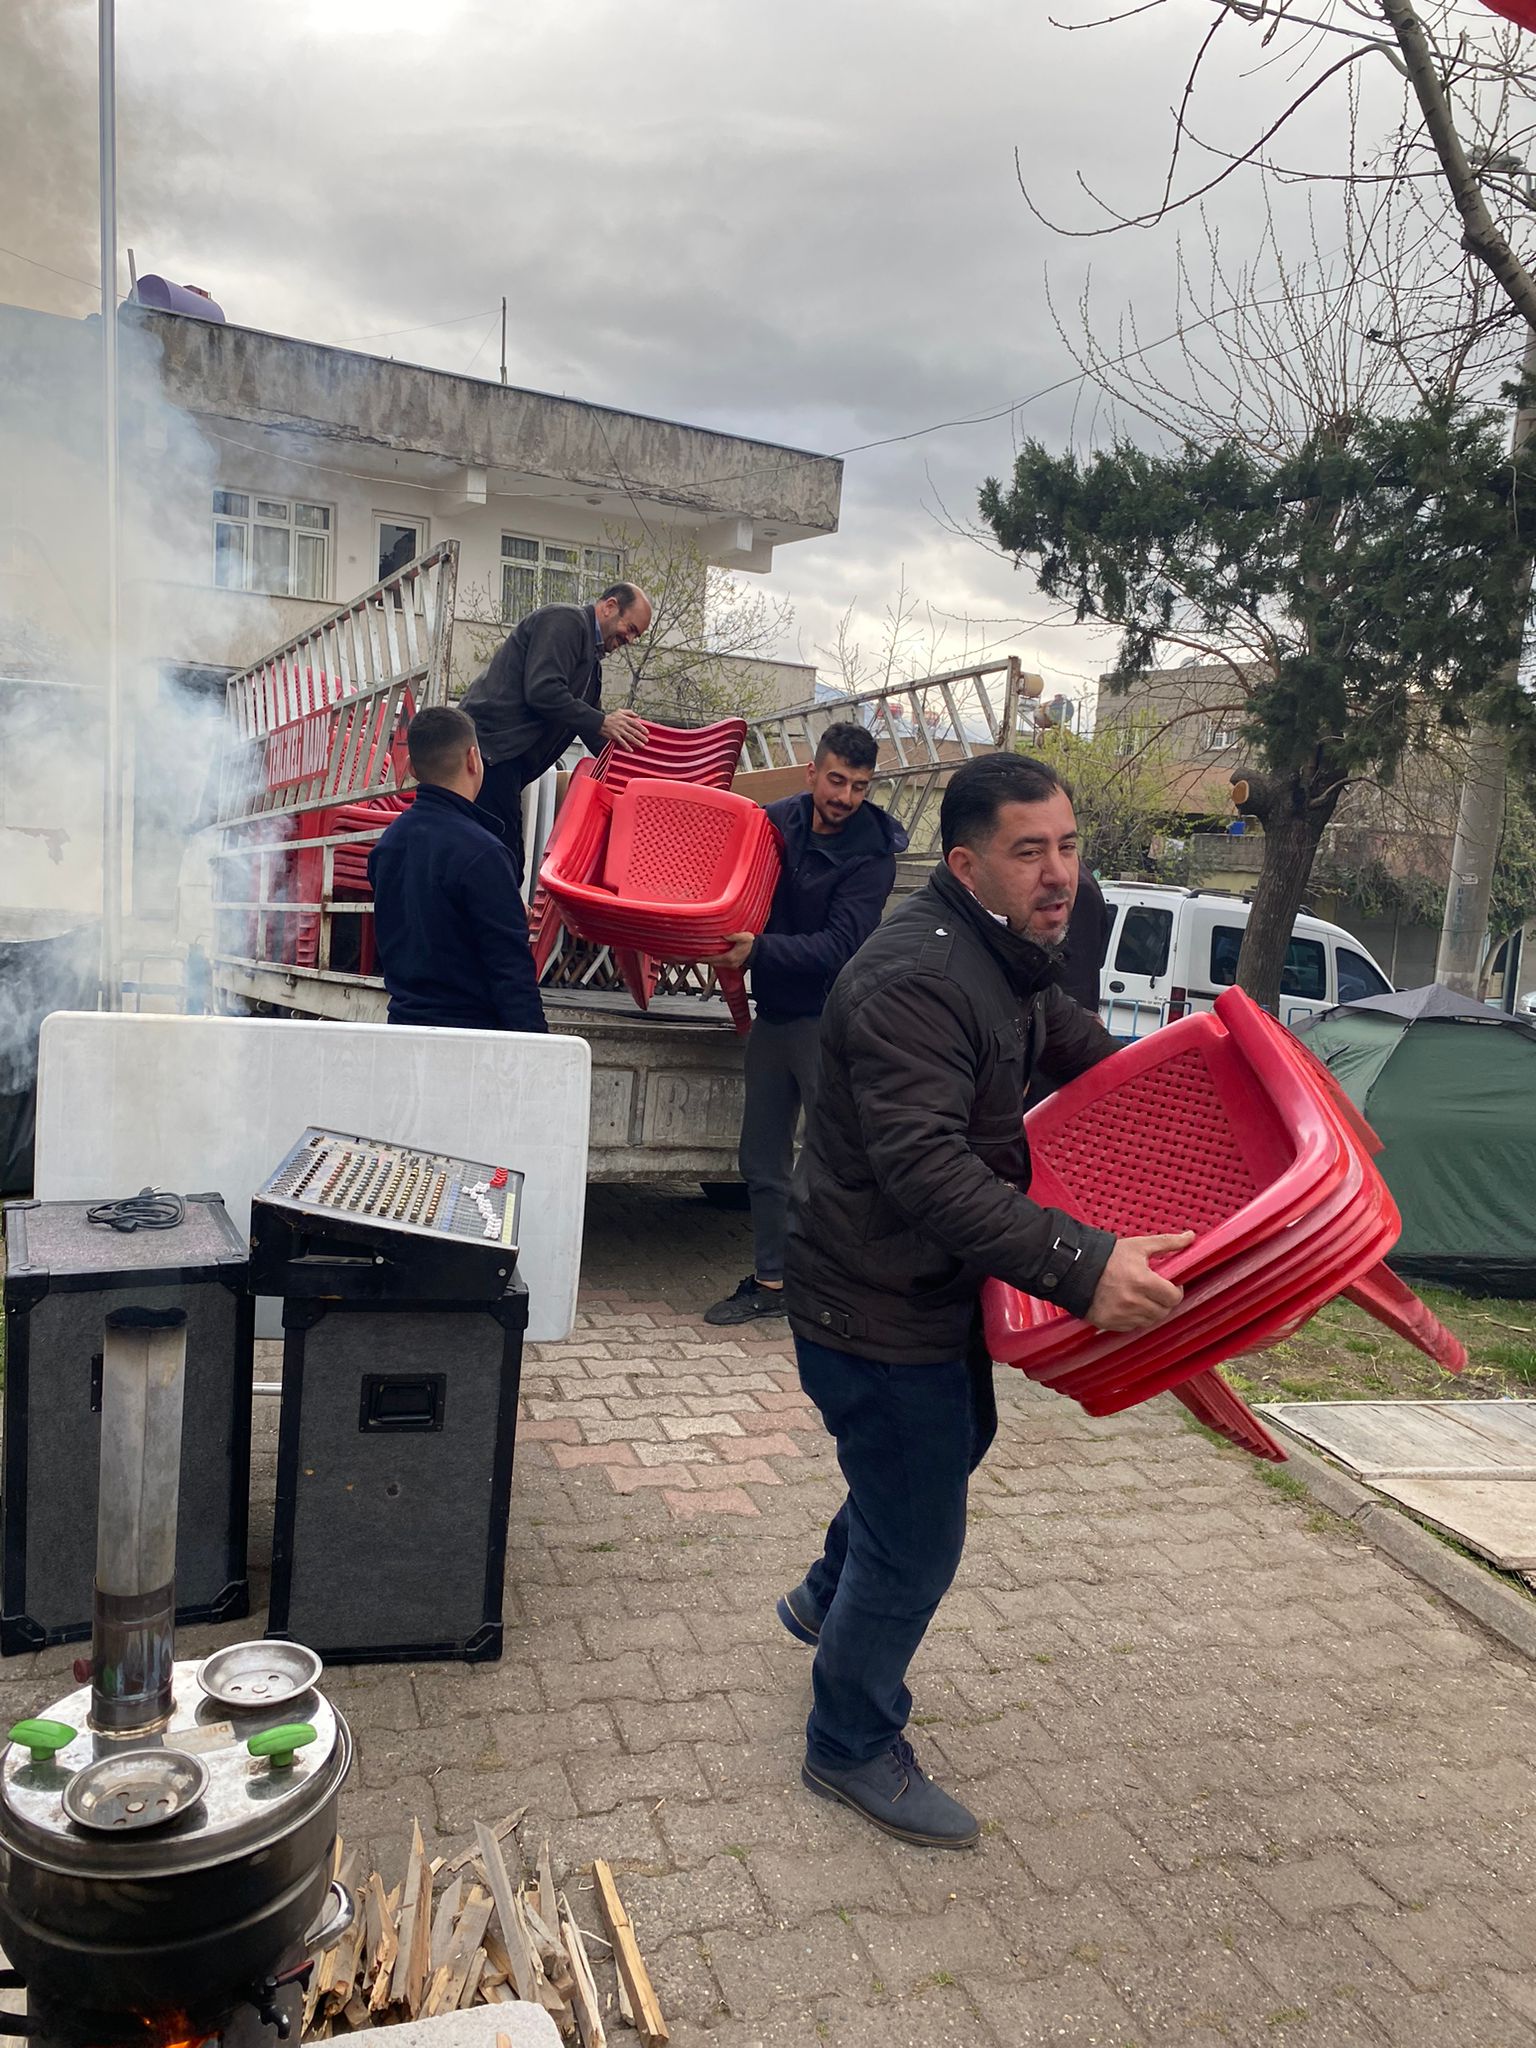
267	479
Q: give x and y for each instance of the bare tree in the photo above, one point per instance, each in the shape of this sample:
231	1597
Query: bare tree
1461	148
713	644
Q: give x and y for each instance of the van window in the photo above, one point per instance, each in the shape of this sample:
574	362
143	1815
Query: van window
1144	940
1357	977
1304	975
1226	944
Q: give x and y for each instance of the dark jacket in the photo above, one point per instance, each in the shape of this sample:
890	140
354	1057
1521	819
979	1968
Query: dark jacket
916	1164
450	925
542	689
1082	957
828	901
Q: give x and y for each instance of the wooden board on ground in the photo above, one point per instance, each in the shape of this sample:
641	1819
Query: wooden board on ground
1496	1518
1486	1440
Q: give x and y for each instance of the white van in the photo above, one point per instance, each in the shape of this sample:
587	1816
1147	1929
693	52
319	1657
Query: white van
1174	950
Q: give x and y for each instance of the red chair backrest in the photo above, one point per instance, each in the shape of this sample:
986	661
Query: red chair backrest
673	842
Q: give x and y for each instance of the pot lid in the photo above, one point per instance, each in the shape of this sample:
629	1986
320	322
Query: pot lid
267	1773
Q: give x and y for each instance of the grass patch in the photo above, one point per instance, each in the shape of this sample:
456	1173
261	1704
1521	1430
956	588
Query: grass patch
1343	1354
1280	1481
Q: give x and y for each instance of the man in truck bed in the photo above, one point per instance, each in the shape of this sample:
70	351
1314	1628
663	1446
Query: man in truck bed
542	689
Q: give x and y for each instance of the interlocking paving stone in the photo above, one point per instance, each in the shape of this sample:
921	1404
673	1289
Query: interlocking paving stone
1247	1781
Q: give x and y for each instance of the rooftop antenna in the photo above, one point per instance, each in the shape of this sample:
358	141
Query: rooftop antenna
503	337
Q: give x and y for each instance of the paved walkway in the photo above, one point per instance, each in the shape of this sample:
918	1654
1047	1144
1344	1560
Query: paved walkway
1242	1780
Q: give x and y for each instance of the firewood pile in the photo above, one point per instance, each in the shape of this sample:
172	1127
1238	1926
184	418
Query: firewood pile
463	1930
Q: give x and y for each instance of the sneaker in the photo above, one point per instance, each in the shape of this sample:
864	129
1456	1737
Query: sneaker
799	1616
748	1303
891	1792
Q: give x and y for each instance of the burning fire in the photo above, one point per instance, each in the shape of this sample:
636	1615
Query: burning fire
174	2029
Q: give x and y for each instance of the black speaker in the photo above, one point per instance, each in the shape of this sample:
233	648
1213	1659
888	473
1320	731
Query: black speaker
64	1276
394	1476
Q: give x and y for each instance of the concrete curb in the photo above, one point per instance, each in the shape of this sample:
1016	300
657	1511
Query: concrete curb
1510	1615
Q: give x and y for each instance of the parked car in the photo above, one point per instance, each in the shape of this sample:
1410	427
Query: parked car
1174	950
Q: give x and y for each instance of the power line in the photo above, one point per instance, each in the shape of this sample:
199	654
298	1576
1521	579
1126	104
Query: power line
93	282
430	327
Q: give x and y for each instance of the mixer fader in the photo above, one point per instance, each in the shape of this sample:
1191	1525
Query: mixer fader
356	1217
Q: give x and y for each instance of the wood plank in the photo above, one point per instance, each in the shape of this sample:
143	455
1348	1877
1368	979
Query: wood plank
383	1961
584	2001
1496	1518
523	1963
472	1978
633	1974
409	1980
466	1953
549	1912
442	1922
1418	1439
499	1833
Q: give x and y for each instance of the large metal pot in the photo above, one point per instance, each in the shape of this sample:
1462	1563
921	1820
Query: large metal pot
187	1917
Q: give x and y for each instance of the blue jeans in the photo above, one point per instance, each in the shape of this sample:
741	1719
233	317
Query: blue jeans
908	1439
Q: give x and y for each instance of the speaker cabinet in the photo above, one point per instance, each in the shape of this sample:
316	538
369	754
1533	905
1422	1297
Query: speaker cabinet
64	1276
394	1476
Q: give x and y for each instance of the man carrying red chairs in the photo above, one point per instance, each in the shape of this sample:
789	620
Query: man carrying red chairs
913	1190
839	867
448	920
542	689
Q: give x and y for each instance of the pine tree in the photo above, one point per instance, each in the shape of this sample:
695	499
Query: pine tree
1363	585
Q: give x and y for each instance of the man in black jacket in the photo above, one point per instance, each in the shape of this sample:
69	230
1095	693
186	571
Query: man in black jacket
839	867
451	930
915	1177
542	689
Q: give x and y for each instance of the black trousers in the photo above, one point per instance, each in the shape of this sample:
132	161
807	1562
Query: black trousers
502	793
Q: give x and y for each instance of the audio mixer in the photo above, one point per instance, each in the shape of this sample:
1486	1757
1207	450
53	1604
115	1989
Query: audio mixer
352	1218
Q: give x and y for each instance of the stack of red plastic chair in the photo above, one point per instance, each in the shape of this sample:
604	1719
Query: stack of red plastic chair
706	756
663	871
1222	1124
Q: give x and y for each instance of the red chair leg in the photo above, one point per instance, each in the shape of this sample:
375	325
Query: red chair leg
545	924
638	972
733	987
1211	1401
1382	1295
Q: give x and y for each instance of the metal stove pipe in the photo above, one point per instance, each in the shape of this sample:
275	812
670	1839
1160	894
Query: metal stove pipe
144	1356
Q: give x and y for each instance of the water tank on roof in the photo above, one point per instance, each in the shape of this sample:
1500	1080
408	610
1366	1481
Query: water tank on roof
165	297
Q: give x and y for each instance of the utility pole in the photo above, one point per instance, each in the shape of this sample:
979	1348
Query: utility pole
112	763
1480	813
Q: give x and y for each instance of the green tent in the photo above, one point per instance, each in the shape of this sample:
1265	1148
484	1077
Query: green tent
1450	1087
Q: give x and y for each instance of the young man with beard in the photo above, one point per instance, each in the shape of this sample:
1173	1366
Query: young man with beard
839	867
916	1173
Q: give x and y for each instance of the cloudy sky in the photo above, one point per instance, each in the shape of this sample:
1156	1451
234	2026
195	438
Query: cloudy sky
799	222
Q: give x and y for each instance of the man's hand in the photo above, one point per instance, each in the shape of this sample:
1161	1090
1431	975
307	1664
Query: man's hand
624	728
1130	1296
741	944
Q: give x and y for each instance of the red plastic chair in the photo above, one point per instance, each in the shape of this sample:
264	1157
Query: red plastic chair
1223	1124
682	868
706	755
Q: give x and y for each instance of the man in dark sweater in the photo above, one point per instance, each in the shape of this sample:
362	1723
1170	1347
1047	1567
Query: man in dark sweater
915	1189
542	689
451	930
839	867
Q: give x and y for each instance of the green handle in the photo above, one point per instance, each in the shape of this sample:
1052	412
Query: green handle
279	1744
43	1738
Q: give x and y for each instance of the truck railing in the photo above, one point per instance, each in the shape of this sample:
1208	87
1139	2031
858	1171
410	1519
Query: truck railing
924	728
321	719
